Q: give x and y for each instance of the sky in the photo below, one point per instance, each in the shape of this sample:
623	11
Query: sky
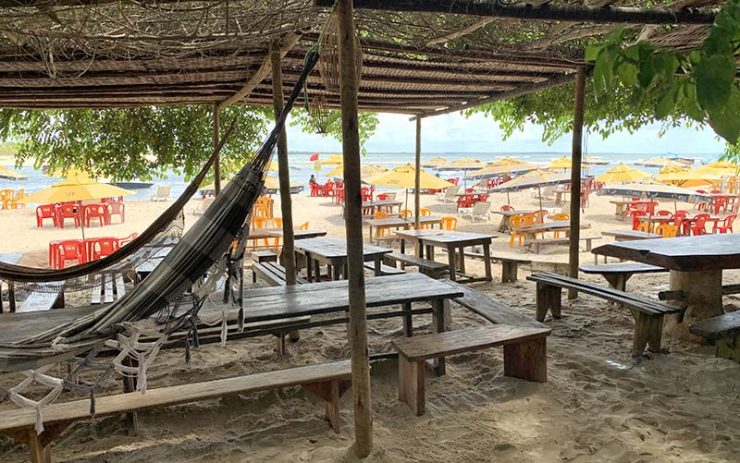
477	134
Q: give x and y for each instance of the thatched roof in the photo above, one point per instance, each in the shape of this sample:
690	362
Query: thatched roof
107	53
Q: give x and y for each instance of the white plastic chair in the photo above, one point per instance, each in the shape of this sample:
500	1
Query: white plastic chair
481	210
162	193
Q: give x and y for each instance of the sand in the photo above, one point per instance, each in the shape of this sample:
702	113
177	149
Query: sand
599	403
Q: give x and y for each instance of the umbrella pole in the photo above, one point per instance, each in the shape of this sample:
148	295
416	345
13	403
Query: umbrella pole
508	199
539	193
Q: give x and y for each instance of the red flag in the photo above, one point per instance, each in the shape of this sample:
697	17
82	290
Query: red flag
314	157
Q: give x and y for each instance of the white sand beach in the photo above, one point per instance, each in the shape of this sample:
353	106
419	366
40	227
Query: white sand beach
599	404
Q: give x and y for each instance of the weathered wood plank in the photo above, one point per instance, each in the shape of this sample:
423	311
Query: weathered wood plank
491	309
716	327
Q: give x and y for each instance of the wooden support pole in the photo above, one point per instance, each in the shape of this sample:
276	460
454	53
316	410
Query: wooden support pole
217	161
286	204
575	177
348	86
417	174
524	10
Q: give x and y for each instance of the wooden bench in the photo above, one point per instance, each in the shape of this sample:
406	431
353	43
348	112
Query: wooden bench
618	274
50	296
260	257
428	267
509	265
108	288
525	355
535	245
648	313
493	310
385	270
724	330
328	381
273	273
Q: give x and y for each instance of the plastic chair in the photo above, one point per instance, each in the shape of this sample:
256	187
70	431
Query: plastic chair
636	219
699	226
96	211
666	230
382	197
67	211
70	250
14	203
126	240
560	216
519	221
380	214
507	208
448	223
726	225
104	247
406	213
304	226
644	227
46	211
425	211
116	207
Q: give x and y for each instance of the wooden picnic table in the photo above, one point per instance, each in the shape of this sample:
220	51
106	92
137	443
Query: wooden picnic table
505	224
628	235
10	258
621	206
695	264
369	207
262	233
531	231
398	222
454	242
332	251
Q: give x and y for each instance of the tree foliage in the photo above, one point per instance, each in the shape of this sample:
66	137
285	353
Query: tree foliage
636	85
330	124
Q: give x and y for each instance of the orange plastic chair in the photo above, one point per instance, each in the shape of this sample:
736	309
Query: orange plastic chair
14	202
406	213
380	214
644	226
666	230
519	221
448	223
558	217
425	211
304	226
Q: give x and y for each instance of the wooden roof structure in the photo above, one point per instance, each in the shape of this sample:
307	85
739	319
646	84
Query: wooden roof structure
418	58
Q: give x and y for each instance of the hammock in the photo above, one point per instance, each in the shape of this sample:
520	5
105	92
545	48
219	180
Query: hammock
202	246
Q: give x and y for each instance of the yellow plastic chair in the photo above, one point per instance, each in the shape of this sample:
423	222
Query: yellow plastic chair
519	221
406	213
448	223
667	230
304	226
20	194
6	196
425	211
644	226
559	217
380	214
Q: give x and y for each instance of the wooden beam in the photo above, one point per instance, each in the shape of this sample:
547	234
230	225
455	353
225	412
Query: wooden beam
286	205
262	72
523	90
607	14
417	175
348	87
575	178
217	161
461	32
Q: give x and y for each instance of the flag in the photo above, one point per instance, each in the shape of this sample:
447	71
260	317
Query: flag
314	157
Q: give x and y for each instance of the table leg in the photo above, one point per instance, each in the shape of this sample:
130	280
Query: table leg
440	320
336	271
377	266
408	324
430	252
703	298
11	296
461	259
451	262
309	268
316	270
370	232
487	261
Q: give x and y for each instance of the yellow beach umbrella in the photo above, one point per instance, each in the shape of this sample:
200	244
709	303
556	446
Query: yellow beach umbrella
504	166
560	163
533	179
463	164
10	174
333	160
719	168
622	173
435	162
405	177
78	188
687	178
594	161
365	171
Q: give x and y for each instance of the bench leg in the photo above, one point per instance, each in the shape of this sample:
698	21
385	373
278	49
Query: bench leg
408	323
330	392
527	360
648	333
487	261
509	271
728	347
618	281
129	385
411	384
548	298
441	318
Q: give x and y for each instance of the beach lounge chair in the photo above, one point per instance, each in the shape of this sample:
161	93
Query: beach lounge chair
481	210
163	193
449	195
202	206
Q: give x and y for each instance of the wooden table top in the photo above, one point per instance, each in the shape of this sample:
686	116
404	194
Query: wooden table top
271	303
382	203
258	233
549	226
510	213
331	247
634	234
397	221
445	237
629	201
689	253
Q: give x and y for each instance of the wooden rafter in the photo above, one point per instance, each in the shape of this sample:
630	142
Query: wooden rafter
609	14
460	32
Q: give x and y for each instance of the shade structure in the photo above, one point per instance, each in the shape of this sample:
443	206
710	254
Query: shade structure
504	166
404	177
366	171
686	178
622	173
10	174
78	188
435	162
333	160
594	161
464	164
653	191
719	168
532	179
560	163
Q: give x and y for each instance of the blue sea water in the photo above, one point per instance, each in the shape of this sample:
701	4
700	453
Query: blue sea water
301	168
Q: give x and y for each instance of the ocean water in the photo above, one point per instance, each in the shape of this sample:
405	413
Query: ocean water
301	168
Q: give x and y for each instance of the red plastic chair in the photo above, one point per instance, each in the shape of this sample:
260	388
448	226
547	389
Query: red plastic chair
46	211
315	189
719	204
67	211
698	227
726	225
70	250
507	208
382	197
96	211
104	247
365	194
116	207
636	218
124	241
465	201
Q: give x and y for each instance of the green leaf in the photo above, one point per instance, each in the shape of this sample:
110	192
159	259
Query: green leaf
627	73
667	102
592	52
646	73
725	120
714	78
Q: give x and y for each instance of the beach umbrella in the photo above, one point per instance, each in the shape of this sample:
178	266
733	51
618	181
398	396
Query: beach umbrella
365	172
653	191
404	177
10	174
622	173
504	166
659	162
719	168
333	160
594	161
434	162
533	179
686	178
464	165
560	163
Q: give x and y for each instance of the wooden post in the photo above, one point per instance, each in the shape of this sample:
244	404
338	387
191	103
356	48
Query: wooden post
217	161
348	85
417	175
286	204
575	177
